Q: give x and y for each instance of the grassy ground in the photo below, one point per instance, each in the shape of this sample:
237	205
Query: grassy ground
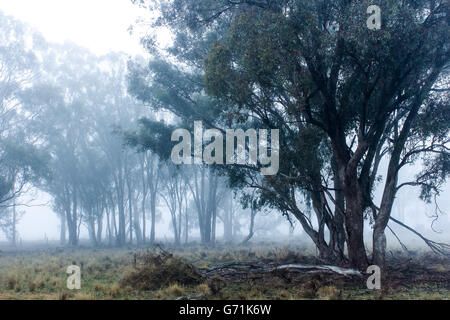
138	274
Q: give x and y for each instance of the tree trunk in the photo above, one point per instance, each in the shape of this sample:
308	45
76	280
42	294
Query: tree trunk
153	216
121	211
338	219
144	198
136	224
186	223
173	214
354	223
100	228
180	220
214	222
14	224
72	220
251	230
382	218
92	234
130	207
113	222
62	229
108	228
228	219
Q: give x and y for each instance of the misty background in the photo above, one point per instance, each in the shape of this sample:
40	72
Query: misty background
102	27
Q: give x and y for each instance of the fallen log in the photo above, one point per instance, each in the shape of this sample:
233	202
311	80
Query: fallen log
254	268
319	268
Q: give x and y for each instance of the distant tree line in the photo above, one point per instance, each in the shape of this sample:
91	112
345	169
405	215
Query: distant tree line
67	128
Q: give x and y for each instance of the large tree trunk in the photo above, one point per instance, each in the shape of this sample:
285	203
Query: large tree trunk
379	247
354	224
338	219
382	218
355	240
390	189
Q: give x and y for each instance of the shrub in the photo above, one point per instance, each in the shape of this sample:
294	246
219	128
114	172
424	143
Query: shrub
155	270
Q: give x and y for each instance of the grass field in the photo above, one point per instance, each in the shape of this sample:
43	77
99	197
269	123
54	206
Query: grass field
140	273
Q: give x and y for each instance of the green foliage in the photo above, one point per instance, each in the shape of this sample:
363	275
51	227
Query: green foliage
153	135
343	96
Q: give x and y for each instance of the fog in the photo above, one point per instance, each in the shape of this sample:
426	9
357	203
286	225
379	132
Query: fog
224	150
97	33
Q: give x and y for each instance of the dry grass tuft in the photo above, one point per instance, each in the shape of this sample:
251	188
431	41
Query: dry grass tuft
157	270
329	293
204	289
114	291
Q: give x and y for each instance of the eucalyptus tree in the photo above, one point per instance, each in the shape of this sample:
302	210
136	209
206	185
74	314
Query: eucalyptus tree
94	187
146	142
173	190
344	97
22	162
83	107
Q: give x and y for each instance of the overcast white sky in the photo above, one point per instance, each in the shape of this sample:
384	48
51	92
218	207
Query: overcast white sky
100	25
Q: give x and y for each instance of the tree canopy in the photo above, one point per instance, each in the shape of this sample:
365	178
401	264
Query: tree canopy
347	100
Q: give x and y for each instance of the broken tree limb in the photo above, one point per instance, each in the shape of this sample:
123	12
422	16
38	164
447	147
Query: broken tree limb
320	268
398	239
436	247
255	268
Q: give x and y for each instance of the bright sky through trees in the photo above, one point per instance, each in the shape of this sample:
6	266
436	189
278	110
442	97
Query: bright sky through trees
100	25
